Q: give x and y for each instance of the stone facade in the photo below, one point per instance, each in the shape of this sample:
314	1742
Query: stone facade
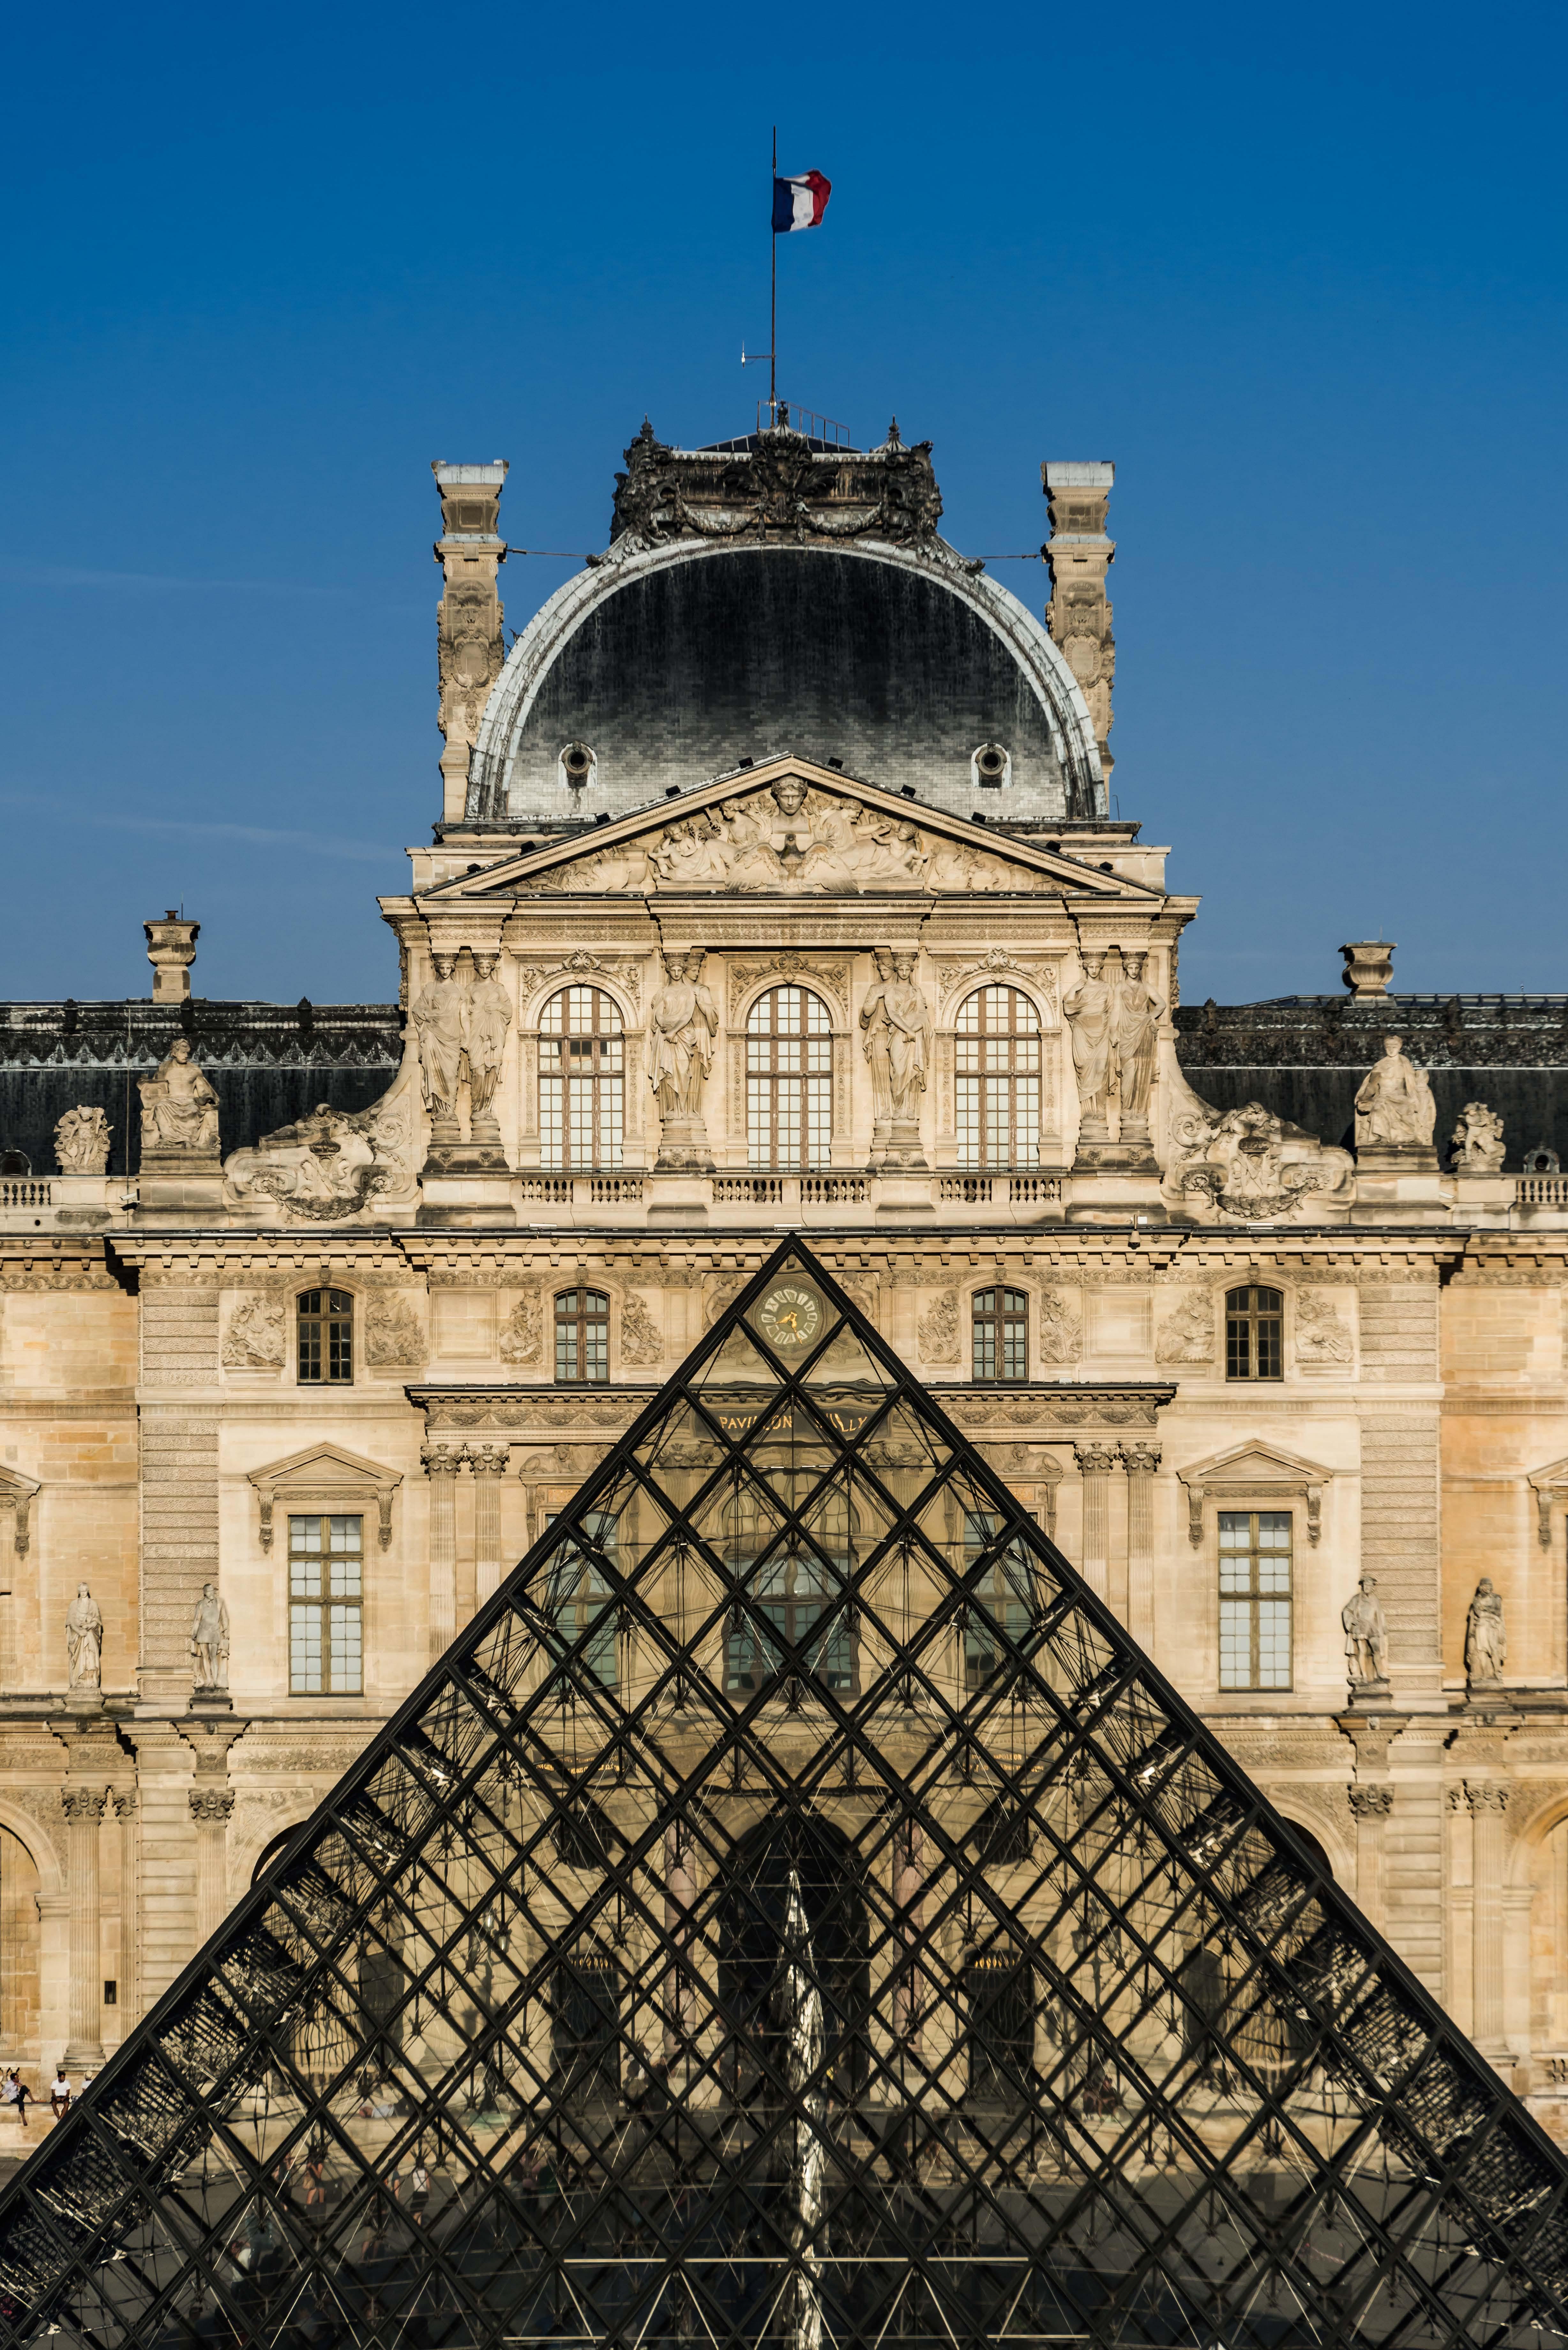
168	1419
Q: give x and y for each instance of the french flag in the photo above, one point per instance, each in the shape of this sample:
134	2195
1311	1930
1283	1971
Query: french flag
800	203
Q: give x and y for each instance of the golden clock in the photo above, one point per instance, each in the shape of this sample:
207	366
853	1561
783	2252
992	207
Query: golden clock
790	1317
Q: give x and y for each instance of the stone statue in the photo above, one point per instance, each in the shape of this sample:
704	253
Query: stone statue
179	1108
439	1012
1135	1026
1366	1635
685	1022
1478	1141
874	1024
1486	1638
488	1017
1087	1011
81	1141
210	1639
1394	1105
908	1038
84	1640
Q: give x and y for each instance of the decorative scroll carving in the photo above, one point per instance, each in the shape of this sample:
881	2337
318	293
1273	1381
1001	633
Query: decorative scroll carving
1061	1330
780	489
1321	1339
582	969
393	1336
522	1333
1371	1802
334	1162
829	979
1249	1166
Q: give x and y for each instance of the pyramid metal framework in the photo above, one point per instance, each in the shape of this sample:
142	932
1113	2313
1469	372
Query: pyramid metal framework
794	1912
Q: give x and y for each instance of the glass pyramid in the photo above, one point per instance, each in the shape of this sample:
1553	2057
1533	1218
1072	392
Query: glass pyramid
794	1912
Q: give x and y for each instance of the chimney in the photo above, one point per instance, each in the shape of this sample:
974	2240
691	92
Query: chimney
1078	555
470	646
172	950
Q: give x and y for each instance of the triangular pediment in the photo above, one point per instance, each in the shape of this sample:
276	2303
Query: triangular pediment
789	827
1255	1462
794	1912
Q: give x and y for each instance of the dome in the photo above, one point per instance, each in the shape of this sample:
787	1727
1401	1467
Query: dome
729	622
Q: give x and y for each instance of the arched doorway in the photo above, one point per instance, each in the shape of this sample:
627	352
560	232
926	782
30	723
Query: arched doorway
21	1971
752	1940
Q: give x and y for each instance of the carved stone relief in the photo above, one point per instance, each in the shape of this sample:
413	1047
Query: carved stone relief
582	969
641	1339
81	1142
332	1164
1061	1328
254	1339
1249	1166
938	1329
1186	1334
393	1334
790	970
1321	1339
522	1333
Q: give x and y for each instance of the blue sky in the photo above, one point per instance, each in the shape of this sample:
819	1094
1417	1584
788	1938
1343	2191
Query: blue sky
1299	272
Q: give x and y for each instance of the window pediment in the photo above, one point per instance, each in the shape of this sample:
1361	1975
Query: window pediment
1549	1484
1259	1473
325	1477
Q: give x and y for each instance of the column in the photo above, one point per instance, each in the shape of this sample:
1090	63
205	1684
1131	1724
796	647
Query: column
441	1463
1140	1461
1488	1802
130	1909
489	1465
84	1809
1371	1807
1094	1464
211	1808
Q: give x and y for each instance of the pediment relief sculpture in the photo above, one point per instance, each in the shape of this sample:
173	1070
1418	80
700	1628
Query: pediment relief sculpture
334	1163
795	837
1248	1166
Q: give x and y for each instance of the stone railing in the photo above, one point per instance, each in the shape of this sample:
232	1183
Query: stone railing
88	1201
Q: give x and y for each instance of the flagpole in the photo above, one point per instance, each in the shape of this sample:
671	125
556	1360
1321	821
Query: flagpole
773	294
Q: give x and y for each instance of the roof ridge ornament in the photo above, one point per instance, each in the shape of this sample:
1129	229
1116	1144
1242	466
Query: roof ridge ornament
780	489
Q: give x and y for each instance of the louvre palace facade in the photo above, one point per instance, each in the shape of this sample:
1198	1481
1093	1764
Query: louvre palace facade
775	889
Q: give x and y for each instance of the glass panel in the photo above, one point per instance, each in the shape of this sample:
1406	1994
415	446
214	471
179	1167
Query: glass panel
886	1956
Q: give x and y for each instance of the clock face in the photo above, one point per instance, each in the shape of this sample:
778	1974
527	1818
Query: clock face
790	1317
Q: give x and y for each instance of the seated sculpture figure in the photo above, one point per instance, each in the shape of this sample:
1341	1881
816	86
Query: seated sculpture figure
178	1107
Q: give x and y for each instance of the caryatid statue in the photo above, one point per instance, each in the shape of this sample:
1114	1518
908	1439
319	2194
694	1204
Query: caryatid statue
1087	1011
210	1639
1393	1103
874	1027
908	1024
489	1016
683	1023
84	1640
1365	1634
1486	1637
439	1021
1135	1030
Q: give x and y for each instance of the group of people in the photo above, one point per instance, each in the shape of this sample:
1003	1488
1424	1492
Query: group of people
14	2091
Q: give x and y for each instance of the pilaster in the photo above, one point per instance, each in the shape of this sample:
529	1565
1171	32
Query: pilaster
489	1465
179	1444
1141	1461
441	1464
1095	1462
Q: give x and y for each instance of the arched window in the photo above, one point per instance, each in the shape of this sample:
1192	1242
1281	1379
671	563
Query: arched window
789	1080
582	1336
1000	1324
997	1071
1254	1333
582	1064
787	1596
326	1336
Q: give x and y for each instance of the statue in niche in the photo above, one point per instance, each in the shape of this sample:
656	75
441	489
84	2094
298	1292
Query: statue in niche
1486	1637
908	1020
1394	1105
1087	1011
1136	1025
877	1051
210	1639
685	1022
487	1018
1365	1635
1478	1141
438	1017
84	1640
81	1141
178	1107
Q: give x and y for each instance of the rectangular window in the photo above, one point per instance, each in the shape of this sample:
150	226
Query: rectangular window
1255	1599
326	1599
